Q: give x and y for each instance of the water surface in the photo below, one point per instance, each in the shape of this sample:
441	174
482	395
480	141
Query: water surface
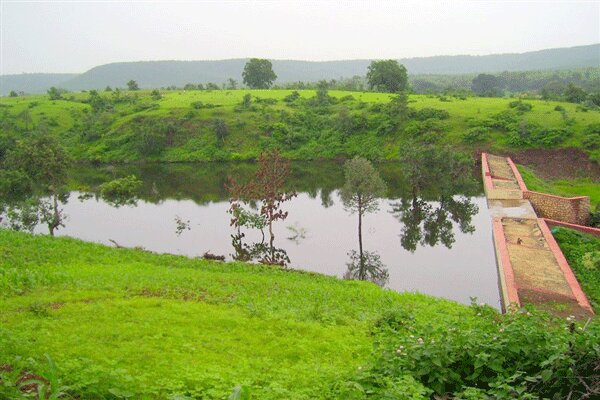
435	244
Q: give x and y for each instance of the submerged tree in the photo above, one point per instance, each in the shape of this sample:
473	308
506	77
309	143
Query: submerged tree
43	162
360	194
268	189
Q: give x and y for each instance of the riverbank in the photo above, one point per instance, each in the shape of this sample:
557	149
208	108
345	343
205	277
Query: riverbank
103	315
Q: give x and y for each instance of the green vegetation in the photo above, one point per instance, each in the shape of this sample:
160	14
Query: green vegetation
583	254
562	187
92	319
305	124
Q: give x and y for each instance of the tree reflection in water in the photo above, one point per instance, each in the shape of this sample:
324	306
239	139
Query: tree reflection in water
430	223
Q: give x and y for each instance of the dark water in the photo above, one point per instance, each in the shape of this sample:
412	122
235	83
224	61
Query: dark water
435	244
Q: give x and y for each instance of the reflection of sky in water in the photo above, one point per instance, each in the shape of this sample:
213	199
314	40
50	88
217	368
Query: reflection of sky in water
466	270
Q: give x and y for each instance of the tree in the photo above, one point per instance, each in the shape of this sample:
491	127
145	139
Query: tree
322	95
155	94
575	94
132	85
25	115
486	85
44	161
55	93
362	189
387	76
247	100
268	188
258	73
438	169
231	84
13	94
108	89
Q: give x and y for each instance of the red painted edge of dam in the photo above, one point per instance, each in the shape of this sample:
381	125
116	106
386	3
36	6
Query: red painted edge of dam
564	266
507	270
581	228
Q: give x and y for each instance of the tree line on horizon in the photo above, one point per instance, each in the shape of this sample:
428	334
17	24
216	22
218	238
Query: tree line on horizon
389	76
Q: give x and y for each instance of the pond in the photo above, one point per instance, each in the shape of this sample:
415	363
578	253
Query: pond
435	244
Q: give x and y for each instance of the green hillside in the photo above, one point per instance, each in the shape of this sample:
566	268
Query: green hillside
217	125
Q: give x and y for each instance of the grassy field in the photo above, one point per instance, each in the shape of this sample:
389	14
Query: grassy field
299	130
123	323
105	323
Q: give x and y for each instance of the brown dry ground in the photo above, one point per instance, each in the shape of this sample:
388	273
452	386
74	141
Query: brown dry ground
557	163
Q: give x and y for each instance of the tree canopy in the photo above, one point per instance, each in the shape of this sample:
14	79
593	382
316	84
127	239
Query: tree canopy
387	76
258	73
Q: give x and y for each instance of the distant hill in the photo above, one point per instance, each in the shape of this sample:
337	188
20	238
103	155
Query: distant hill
150	74
32	83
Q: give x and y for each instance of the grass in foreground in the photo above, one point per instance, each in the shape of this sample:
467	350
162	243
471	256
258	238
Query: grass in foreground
128	324
125	321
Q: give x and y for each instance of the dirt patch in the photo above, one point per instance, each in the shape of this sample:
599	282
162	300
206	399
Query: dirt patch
185	295
558	163
554	303
30	384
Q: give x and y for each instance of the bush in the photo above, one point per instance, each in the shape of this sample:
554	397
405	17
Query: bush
197	105
476	134
517	355
429	113
520	106
149	141
122	187
155	94
292	97
418	128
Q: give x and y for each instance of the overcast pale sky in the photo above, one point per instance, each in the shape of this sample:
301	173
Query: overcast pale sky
73	36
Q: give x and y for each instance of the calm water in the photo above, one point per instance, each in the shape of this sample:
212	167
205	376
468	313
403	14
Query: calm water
435	244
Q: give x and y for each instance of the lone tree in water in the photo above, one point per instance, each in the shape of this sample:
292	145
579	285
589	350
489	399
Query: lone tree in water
44	161
258	73
268	188
359	194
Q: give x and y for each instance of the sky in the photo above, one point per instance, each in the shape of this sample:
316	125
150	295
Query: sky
74	36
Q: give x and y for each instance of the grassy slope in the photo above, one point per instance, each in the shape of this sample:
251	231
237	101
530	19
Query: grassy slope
583	253
246	127
155	325
562	187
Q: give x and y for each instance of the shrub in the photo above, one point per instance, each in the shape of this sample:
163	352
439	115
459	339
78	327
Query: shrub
517	355
476	134
418	128
520	106
127	186
155	94
149	141
429	113
199	105
292	97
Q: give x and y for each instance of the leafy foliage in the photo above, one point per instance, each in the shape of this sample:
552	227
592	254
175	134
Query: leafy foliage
258	73
387	76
